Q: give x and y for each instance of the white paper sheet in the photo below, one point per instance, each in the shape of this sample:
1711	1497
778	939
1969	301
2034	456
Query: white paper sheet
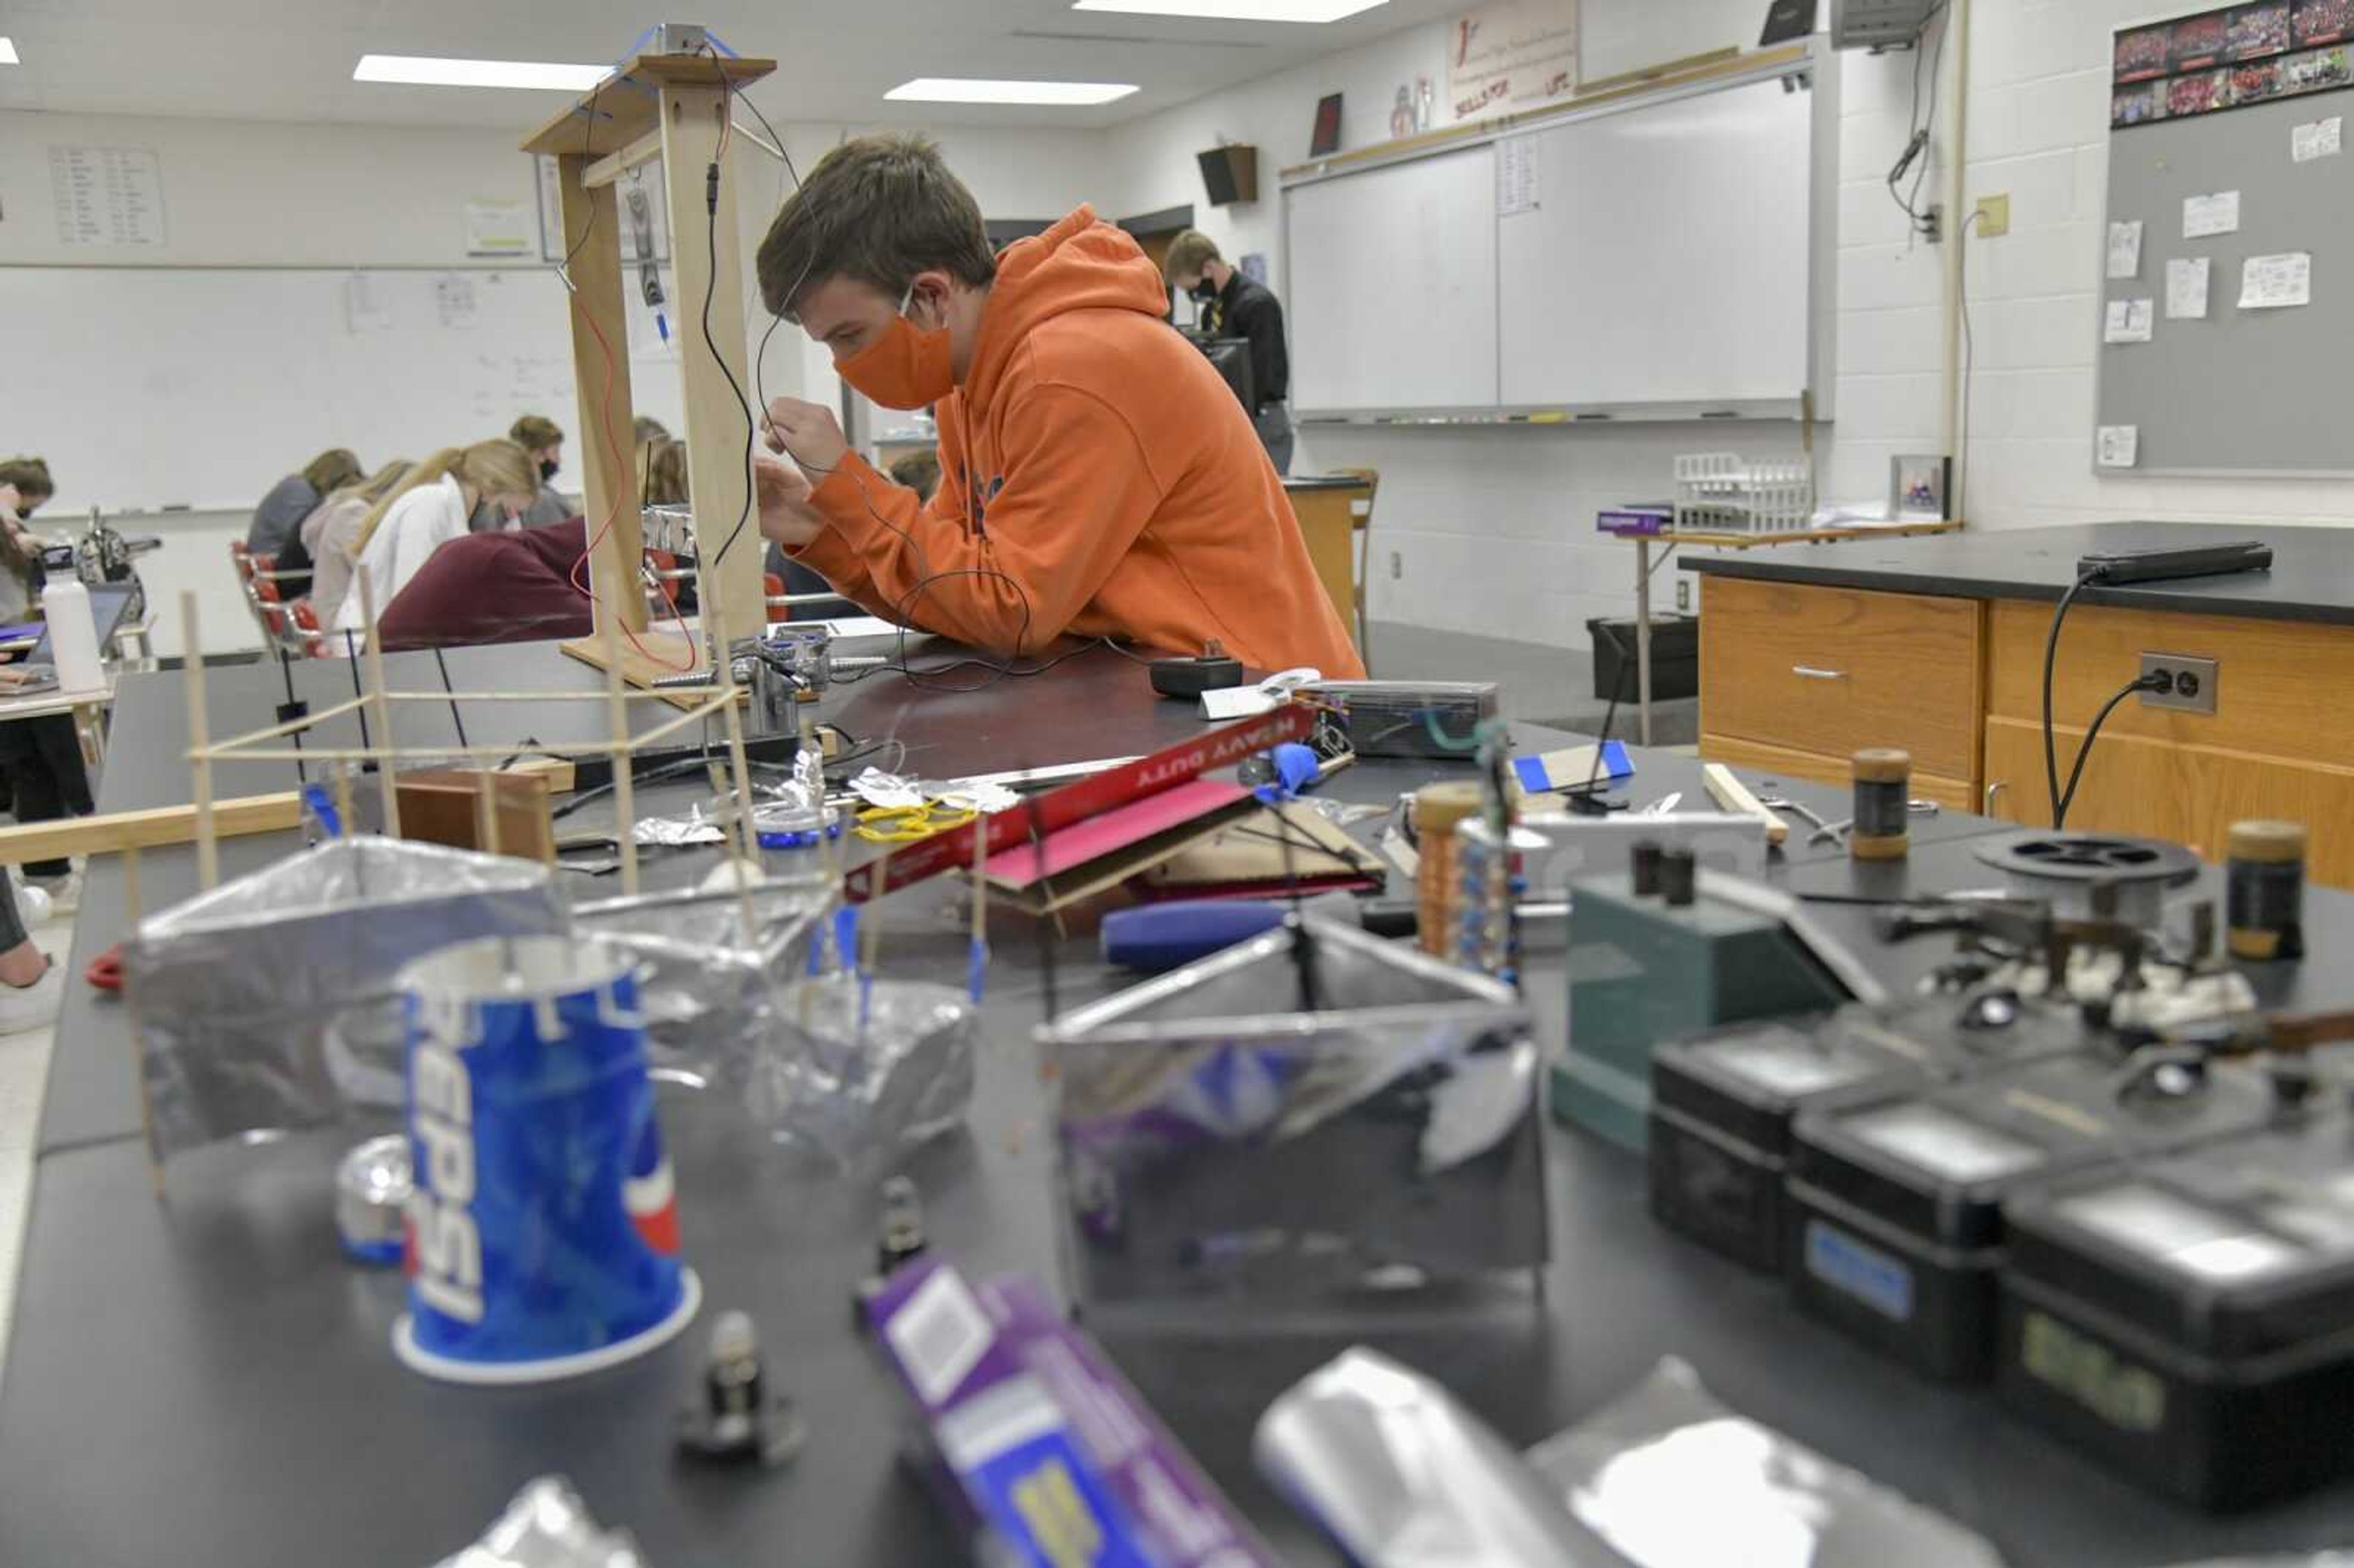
501	227
2119	446
2186	288
2317	139
364	307
2276	282
1516	176
107	196
2130	320
2125	249
2206	216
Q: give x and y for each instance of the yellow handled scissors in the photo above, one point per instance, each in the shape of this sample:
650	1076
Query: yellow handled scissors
909	824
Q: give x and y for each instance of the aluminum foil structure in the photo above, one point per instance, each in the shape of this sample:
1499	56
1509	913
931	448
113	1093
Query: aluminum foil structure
1294	1115
859	1071
241	992
1401	1475
547	1526
1633	1472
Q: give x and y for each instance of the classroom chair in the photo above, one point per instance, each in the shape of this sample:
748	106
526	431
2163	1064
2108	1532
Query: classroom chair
1373	478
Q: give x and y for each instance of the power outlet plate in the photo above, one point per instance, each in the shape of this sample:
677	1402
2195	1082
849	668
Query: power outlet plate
1994	216
2195	683
1683	595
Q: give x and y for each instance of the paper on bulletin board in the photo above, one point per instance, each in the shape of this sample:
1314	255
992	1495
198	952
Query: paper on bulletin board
453	299
1512	54
2125	249
1516	176
2276	282
107	196
2186	288
500	228
2204	216
2317	139
2119	446
366	309
2130	320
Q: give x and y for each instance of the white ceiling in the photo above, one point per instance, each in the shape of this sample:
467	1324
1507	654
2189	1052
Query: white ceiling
292	59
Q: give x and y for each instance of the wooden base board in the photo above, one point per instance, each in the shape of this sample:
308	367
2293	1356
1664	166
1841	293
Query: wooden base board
246	815
639	670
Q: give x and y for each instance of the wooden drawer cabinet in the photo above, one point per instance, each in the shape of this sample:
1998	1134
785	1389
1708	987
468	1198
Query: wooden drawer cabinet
2189	794
1822	672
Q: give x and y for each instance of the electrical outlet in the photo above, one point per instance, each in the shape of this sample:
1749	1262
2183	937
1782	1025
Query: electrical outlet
1994	216
1397	565
1684	594
2190	683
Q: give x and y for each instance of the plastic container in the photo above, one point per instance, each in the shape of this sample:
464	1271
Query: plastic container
73	637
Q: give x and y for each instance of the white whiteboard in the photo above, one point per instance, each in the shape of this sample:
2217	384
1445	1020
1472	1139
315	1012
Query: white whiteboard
1667	259
148	388
1392	286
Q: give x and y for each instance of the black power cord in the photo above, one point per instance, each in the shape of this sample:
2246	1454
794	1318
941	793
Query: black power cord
2156	681
2050	658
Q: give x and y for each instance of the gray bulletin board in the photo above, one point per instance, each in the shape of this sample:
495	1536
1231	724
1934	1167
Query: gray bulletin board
2242	391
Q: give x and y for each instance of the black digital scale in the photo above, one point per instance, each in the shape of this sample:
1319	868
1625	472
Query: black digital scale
2190	1321
1722	1103
1896	1200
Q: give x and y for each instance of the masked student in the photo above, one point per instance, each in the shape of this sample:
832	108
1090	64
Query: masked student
1232	304
542	441
1095	475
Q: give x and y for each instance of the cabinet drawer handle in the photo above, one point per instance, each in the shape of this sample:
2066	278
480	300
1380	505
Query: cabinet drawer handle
1809	672
1993	791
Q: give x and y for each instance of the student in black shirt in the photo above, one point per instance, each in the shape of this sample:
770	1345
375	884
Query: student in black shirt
1234	306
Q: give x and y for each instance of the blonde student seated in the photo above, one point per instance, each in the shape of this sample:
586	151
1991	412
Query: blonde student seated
428	509
328	532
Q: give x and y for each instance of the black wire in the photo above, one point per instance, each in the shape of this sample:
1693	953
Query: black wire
443	665
351	661
2150	683
1609	717
588	149
2050	658
1003	672
1131	658
286	672
779	141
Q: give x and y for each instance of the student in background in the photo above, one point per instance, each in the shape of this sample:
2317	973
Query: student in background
291	499
428	509
1234	306
543	443
329	531
646	428
1096	477
42	757
496	587
919	471
31	988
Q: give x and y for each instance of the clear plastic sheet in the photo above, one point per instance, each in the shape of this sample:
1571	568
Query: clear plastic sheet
1401	1475
239	991
708	992
547	1526
1634	1471
1217	1135
860	1074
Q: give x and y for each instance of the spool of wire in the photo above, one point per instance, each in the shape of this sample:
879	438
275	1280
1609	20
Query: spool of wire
1883	792
2264	891
1437	807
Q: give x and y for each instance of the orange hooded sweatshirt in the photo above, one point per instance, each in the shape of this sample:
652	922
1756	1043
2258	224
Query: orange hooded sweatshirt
1096	477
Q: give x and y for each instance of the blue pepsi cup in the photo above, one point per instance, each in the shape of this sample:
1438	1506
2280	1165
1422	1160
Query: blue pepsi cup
541	1231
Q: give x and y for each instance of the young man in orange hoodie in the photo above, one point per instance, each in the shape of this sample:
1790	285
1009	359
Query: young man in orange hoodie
1096	476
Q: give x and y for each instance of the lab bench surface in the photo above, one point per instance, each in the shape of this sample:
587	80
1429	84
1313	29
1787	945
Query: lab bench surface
203	1380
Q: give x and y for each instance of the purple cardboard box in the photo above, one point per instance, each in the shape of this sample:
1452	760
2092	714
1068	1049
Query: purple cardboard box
1044	1440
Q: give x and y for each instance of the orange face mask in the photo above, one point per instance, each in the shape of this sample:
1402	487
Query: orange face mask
906	367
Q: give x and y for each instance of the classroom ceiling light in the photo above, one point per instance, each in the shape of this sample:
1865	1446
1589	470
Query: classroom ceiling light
969	89
7	51
425	70
1236	10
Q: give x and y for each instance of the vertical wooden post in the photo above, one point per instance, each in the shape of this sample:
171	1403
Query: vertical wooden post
374	654
200	761
625	810
592	232
692	119
746	849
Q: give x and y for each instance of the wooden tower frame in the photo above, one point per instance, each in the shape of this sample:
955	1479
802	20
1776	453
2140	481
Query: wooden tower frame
674	110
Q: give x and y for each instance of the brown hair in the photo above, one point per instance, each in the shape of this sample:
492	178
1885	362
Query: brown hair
646	428
1190	252
661	473
332	469
919	471
494	467
533	432
30	475
378	485
878	210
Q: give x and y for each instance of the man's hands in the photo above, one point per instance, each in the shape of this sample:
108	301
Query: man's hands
809	434
787	517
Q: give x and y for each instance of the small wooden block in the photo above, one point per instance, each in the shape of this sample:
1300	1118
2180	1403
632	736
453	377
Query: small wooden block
443	806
